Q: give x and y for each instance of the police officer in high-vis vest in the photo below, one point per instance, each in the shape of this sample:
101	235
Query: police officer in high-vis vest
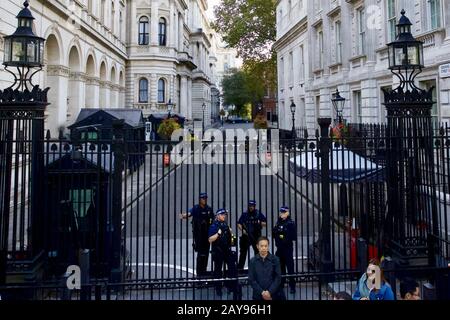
222	240
285	233
250	223
202	217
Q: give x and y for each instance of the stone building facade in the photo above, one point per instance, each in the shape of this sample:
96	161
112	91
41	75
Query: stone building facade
120	54
341	44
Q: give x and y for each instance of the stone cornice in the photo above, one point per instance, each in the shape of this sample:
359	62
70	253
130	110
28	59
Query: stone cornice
297	29
77	76
58	70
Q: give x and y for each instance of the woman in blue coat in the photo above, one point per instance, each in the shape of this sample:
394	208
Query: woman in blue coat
366	288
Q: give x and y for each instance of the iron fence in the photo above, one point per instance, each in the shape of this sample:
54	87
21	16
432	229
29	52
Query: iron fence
118	202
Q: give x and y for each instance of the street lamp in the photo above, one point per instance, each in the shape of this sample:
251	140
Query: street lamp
405	55
293	107
203	116
338	104
24	50
169	107
409	136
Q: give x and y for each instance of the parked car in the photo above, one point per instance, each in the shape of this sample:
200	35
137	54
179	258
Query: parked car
236	119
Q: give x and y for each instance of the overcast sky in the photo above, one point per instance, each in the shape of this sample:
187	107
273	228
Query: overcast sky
211	4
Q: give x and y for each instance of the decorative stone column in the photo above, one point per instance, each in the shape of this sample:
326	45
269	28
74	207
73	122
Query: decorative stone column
56	113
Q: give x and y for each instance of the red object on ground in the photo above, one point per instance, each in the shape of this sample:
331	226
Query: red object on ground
166	159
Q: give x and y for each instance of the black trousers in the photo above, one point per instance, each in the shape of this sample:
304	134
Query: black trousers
220	259
286	256
202	260
244	243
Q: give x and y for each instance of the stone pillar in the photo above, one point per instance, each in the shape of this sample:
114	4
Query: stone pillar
172	27
184	107
92	97
346	25
56	112
153	90
180	33
134	24
189	114
371	38
154	23
76	96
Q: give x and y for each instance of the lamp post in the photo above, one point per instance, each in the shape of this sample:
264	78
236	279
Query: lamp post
293	108
22	105
203	116
169	108
409	136
338	104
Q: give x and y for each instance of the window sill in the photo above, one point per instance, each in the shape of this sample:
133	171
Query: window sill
358	57
335	65
318	70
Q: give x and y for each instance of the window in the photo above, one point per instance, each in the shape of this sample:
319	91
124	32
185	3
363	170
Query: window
113	17
357	102
143	91
320	42
89	135
81	201
317	106
302	63
291	68
143	31
162	32
337	29
161	91
102	11
392	20
361	31
435	13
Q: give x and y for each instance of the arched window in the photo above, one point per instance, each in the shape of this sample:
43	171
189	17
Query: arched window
162	32
143	90
161	91
143	31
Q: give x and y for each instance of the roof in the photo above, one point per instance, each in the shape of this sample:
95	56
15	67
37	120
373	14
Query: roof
132	117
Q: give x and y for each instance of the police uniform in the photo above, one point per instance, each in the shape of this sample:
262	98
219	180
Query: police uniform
202	218
251	223
222	253
285	233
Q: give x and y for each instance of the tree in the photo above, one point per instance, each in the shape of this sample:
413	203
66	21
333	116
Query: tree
249	26
235	90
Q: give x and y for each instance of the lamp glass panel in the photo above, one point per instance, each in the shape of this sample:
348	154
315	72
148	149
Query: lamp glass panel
7	56
31	51
399	56
18	52
391	56
413	56
41	52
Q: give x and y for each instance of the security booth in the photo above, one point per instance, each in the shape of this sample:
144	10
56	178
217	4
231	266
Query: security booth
96	124
78	207
155	119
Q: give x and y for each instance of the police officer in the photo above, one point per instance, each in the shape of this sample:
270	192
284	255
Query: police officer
250	223
285	233
202	218
222	239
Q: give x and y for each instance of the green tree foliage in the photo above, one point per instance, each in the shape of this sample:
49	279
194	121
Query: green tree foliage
235	89
249	26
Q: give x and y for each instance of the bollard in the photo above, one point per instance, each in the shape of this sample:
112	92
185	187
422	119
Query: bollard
84	260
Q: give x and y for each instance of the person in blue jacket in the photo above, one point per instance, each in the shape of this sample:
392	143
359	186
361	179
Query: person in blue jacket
367	287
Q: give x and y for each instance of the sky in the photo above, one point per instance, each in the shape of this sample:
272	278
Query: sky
211	4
